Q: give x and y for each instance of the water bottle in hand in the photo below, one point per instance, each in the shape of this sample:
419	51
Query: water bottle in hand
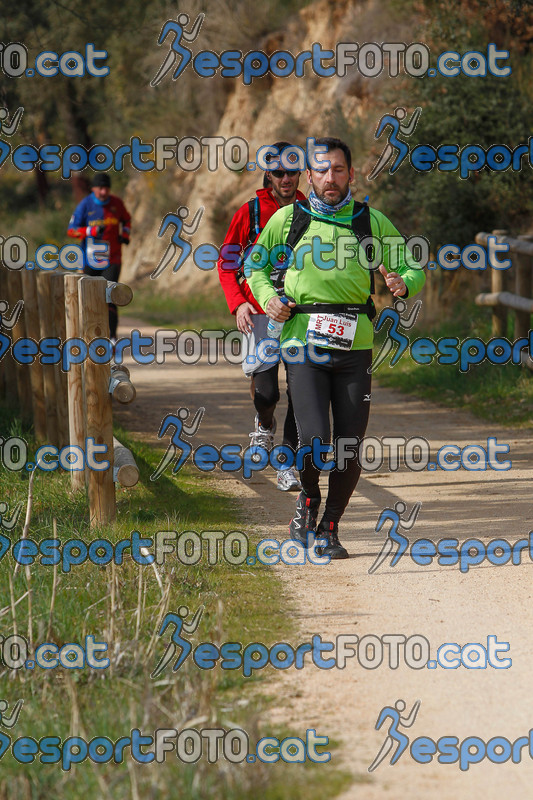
274	328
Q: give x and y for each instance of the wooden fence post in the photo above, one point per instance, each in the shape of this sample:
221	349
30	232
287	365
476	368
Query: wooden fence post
33	331
57	292
499	312
76	395
95	324
523	283
44	294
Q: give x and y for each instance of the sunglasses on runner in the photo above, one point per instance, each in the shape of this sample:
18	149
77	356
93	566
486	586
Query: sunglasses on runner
279	173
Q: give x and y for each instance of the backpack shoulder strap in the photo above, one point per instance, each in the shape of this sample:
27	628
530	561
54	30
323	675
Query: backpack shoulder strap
362	228
255	220
301	219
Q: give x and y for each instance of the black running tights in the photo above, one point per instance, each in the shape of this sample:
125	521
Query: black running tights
344	384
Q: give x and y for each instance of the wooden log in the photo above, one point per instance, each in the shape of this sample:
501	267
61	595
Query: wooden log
120	386
120	368
516	245
119	293
95	324
61	377
46	320
507	300
33	331
126	470
76	395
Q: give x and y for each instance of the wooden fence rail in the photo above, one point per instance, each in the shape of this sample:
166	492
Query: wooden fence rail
519	277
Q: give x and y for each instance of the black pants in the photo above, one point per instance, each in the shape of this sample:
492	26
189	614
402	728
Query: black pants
344	384
110	273
266	396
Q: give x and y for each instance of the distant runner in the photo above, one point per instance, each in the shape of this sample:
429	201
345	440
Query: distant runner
102	217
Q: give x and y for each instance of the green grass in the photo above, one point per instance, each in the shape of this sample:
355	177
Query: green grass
498	393
123	605
198	311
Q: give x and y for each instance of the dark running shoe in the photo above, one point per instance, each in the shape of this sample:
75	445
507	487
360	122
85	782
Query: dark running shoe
333	548
304	521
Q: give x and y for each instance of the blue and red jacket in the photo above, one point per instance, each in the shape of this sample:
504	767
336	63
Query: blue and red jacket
111	215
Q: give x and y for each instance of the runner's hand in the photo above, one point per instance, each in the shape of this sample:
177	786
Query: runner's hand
243	317
277	310
394	282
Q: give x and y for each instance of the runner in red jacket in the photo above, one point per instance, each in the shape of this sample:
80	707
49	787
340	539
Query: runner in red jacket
280	188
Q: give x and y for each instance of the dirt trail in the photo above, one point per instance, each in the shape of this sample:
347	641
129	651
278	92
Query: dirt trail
438	602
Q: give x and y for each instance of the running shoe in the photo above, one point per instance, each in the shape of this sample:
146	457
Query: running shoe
333	548
304	521
287	480
263	437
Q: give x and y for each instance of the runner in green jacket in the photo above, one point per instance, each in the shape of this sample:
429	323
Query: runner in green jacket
329	266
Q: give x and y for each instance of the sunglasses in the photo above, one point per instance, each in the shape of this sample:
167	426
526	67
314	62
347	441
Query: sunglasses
279	173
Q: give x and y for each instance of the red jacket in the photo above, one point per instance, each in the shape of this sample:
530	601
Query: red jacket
238	234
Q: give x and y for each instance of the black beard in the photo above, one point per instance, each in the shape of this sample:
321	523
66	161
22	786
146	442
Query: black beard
329	201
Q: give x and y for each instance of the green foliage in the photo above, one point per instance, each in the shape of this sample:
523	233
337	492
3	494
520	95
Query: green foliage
467	111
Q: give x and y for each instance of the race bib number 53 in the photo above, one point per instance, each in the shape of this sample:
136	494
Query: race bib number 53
335	330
